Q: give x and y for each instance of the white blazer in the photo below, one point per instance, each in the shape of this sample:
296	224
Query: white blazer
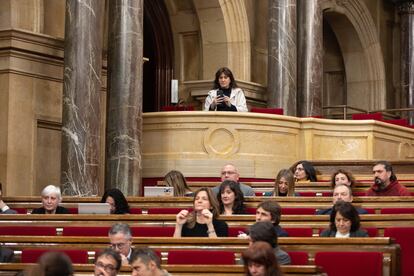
236	98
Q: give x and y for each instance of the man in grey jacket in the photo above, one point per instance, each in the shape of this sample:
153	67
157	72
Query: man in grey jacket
4	209
230	172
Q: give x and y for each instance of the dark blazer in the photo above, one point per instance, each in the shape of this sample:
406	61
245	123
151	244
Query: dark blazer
6	255
59	210
8	211
358	233
329	211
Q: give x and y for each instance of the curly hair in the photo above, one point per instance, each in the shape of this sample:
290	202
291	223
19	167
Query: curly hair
238	204
348	211
121	204
348	175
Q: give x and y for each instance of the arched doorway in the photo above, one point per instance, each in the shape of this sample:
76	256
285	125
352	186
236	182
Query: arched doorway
159	49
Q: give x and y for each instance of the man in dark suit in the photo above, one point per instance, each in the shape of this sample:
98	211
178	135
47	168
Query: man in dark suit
4	209
6	255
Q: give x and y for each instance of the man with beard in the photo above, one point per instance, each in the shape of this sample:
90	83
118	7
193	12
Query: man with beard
107	263
385	182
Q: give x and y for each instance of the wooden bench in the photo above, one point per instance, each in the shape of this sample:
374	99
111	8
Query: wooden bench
187	270
386	246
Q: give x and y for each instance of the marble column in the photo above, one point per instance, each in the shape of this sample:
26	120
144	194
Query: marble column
281	76
310	57
124	113
81	97
406	11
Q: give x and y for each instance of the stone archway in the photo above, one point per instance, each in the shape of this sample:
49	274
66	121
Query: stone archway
357	36
224	48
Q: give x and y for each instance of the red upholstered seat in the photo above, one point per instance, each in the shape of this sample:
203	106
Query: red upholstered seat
363	116
278	111
251	210
308	194
201	257
359	193
168	210
177	108
298	211
152	231
76	256
350	263
73	210
21	210
404	236
399	122
397	211
299	232
28	231
101	231
299	258
372	231
234	231
135	211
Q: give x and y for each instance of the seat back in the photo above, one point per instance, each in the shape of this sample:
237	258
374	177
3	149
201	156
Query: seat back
234	231
298	211
152	231
76	256
363	116
298	258
201	257
407	210
277	111
28	231
299	232
404	236
99	231
166	210
350	263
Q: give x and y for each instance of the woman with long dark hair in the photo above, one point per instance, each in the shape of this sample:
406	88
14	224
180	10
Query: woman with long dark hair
231	198
260	260
304	171
116	199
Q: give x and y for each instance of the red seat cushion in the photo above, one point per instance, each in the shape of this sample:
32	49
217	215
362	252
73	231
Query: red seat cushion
363	116
372	231
73	210
135	211
404	236
177	108
251	210
399	122
350	263
76	256
101	231
234	231
298	211
200	257
28	231
152	231
397	211
168	210
299	258
278	111
299	232
20	210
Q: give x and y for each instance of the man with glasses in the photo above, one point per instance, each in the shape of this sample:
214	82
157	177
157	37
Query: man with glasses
229	172
121	241
107	263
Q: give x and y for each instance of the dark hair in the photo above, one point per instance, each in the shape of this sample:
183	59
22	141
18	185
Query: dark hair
214	206
348	211
263	231
146	255
273	208
121	204
261	253
388	168
238	204
288	176
110	253
347	174
226	71
309	170
55	264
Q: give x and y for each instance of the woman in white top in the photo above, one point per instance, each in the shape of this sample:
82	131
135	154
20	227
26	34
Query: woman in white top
225	96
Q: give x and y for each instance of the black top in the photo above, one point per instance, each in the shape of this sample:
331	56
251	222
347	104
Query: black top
357	233
59	210
223	106
200	230
281	232
329	211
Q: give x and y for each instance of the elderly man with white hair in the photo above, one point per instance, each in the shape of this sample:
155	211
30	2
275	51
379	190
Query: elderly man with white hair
51	197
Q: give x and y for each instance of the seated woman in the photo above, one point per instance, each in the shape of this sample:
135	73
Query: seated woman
304	171
225	96
202	221
231	198
177	180
51	197
342	177
117	201
344	222
259	260
284	184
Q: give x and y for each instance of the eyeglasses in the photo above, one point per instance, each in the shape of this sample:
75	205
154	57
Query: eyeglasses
229	173
108	268
120	246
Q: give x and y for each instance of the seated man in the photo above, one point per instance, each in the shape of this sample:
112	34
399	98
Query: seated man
385	182
107	263
145	262
271	211
229	172
4	209
51	197
120	237
265	231
341	192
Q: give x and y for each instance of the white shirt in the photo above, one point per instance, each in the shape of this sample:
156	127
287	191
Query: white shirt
236	98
